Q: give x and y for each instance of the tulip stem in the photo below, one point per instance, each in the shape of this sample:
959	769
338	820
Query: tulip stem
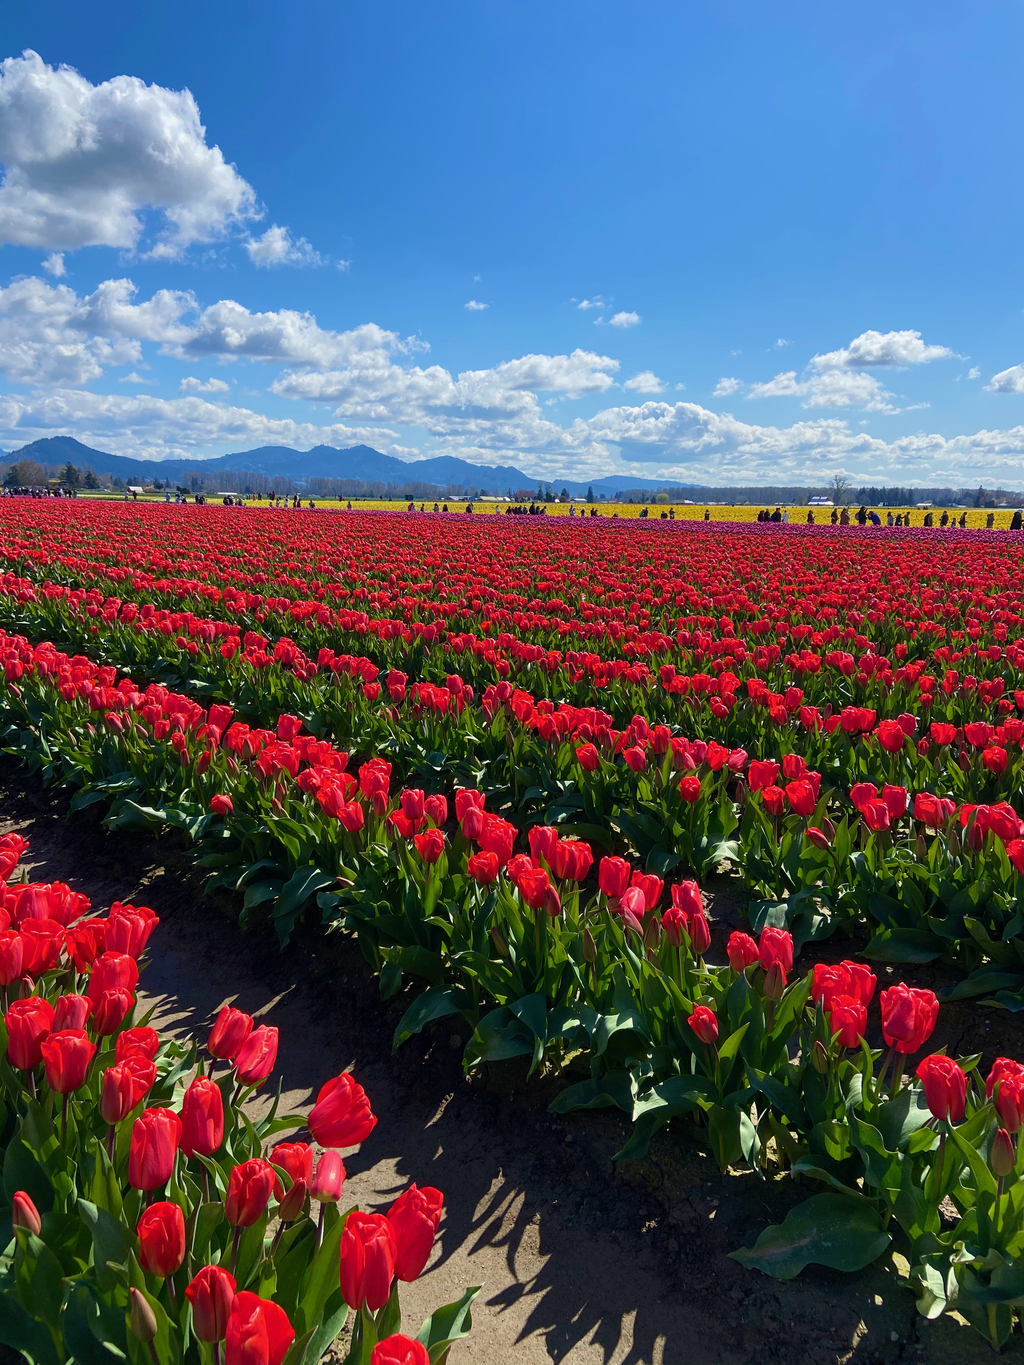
170	1290
234	1249
64	1122
206	1186
320	1228
216	1353
111	1139
153	1355
897	1075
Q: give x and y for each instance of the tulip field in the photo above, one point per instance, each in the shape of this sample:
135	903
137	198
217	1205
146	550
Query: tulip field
508	755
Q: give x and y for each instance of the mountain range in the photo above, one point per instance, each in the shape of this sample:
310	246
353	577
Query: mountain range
322	462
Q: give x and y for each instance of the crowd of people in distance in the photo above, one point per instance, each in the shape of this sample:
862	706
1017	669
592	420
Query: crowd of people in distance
62	492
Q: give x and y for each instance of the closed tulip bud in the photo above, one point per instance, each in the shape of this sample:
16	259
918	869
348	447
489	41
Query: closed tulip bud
819	1058
250	1186
161	1233
228	1033
774	982
256	1057
24	1213
143	1319
71	1012
117	1094
367	1260
329	1178
212	1296
111	1010
704	1024
1001	1155
945	1086
293	1202
414	1217
498	939
613	877
817	837
258	1332
202	1118
652	933
589	946
552	902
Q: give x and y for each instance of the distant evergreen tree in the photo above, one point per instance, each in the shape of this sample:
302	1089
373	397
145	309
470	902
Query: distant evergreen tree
590	493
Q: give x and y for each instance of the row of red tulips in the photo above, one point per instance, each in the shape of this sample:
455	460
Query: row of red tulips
148	1215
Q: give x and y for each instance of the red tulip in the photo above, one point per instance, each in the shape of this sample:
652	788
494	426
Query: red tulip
945	1086
71	1011
228	1034
11	956
1005	1085
847	1017
497	837
156	1134
543	840
891	736
329	1180
111	972
908	1016
801	797
399	1350
85	942
776	947
368	1249
436	808
28	1025
258	1332
651	887
161	1233
853	979
250	1186
137	1042
129	928
534	885
704	1024
414	1217
588	758
112	1008
1002	1157
66	1058
762	773
24	1213
341	1116
296	1159
42	941
613	877
429	844
202	1118
221	804
256	1057
483	868
124	1086
212	1296
742	951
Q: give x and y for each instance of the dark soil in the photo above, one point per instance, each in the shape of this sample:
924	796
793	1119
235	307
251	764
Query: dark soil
579	1259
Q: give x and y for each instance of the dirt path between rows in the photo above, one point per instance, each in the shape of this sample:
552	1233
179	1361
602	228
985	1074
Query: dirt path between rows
579	1261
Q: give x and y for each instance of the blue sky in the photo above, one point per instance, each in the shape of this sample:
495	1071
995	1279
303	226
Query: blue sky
719	244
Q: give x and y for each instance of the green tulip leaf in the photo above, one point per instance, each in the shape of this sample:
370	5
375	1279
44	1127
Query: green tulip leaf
828	1229
447	1325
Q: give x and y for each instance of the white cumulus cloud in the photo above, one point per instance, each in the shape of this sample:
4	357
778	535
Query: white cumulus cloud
135	378
596	302
834	389
54	264
725	388
475	306
624	320
194	385
1007	381
645	382
896	349
84	163
277	247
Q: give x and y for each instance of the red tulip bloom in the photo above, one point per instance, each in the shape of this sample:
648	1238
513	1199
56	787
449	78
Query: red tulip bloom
801	797
399	1350
414	1217
853	979
112	972
429	844
368	1250
156	1134
762	773
776	946
112	1008
228	1034
71	1011
483	868
250	1186
341	1116
11	956
66	1058
891	736
124	1086
650	886
435	808
296	1159
704	1024
1005	1086
161	1233
256	1057
28	1025
258	1332
534	885
129	928
847	1017
202	1118
613	877
221	804
141	1042
689	789
42	941
543	840
908	1017
742	951
945	1087
588	758
212	1296
329	1180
